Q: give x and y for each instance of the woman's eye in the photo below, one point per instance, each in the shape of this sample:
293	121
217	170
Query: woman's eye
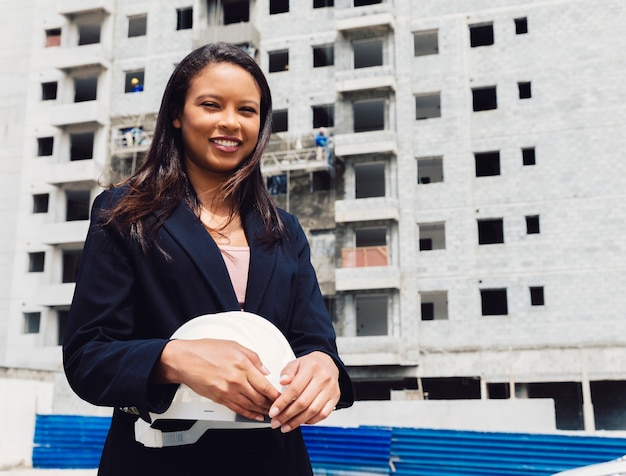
249	110
210	104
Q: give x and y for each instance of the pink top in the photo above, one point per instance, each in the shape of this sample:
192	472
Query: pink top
237	259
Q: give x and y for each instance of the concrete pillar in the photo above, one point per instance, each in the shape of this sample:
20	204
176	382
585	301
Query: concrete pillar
589	420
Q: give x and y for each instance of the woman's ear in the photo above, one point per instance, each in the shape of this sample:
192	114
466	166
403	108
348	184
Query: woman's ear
176	123
175	115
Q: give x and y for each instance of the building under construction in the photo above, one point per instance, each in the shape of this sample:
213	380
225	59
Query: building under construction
467	218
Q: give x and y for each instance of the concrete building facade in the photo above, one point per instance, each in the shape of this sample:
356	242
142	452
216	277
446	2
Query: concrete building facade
466	221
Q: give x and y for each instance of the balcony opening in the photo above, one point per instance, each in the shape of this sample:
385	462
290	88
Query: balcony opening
81	146
484	99
53	37
371	314
429	170
49	91
487	163
498	391
323	56
41	202
137	25
184	18
277	184
432	236
323	116
71	262
434	305
279	6
323	3
608	404
536	296
85	89
236	11
88	34
532	225
362	3
528	156
427	106
364	237
368	53
77	205
370	249
369	180
36	261
521	26
321	181
490	231
567	398
451	388
494	302
280	122
426	42
61	324
524	90
278	61
481	35
369	115
134	81
32	322
45	146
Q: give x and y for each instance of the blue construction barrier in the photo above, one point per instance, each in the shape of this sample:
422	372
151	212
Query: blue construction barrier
75	442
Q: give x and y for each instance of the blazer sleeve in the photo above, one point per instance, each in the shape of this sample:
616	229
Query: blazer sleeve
311	327
104	362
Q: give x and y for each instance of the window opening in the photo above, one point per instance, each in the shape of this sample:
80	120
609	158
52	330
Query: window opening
81	146
48	91
40	202
524	90
53	37
62	315
236	12
369	180
277	184
77	205
320	181
484	99
369	115
32	322
432	236
490	231
528	156
375	236
45	146
481	35
494	302
532	224
567	397
426	43
133	82
36	261
323	56
85	89
536	296
427	106
323	3
487	163
279	6
279	61
71	262
521	26
368	53
498	391
429	170
371	315
280	122
323	116
362	3
137	25
434	305
184	18
88	34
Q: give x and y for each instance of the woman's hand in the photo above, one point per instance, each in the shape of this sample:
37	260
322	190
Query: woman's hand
222	370
311	392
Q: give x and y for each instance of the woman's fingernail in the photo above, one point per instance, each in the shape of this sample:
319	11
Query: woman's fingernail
259	418
273	412
275	424
265	370
285	429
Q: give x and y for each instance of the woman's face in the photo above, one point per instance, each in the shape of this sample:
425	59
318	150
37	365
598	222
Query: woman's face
220	120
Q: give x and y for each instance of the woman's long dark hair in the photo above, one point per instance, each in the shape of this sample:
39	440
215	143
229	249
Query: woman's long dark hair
161	182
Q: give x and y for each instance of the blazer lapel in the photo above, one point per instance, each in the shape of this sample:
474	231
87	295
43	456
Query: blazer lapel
262	262
188	231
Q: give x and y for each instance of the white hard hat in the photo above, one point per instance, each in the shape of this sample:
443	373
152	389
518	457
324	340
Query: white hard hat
249	330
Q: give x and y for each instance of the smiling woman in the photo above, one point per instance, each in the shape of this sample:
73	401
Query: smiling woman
194	232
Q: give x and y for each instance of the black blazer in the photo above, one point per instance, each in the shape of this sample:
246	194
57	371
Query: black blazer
127	304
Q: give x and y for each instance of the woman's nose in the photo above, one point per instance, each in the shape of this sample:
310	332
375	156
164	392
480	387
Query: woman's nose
229	119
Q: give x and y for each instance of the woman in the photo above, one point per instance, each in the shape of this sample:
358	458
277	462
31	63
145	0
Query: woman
194	232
